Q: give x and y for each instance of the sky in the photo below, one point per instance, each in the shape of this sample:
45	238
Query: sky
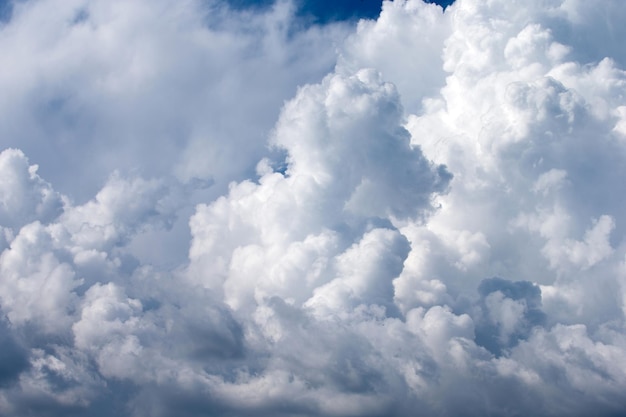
214	208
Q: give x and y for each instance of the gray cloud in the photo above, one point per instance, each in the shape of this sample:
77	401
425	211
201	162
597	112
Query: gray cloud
508	313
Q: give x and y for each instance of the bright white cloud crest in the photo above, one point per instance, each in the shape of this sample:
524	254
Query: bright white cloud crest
436	224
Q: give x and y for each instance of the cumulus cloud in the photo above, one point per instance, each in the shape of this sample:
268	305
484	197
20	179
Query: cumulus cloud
24	194
237	213
187	89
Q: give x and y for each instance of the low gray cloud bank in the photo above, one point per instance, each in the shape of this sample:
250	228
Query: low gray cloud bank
207	211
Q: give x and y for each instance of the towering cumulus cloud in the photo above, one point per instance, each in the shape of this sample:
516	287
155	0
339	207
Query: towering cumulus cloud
208	211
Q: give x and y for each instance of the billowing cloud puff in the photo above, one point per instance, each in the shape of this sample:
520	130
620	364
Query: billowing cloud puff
348	128
24	195
434	227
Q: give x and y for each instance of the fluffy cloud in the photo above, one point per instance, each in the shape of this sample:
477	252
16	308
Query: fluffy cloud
436	224
155	87
24	195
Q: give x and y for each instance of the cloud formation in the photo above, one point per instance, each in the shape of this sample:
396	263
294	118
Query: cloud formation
227	212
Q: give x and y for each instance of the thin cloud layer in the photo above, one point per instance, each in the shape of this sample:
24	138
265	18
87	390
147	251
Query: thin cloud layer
433	226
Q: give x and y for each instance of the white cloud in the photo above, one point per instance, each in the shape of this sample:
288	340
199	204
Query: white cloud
24	195
37	287
165	88
436	224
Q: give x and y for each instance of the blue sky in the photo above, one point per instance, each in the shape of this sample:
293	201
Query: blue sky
325	11
318	11
283	210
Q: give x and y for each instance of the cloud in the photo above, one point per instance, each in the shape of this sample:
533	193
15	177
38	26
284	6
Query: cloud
509	310
345	127
25	196
151	86
236	213
13	361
